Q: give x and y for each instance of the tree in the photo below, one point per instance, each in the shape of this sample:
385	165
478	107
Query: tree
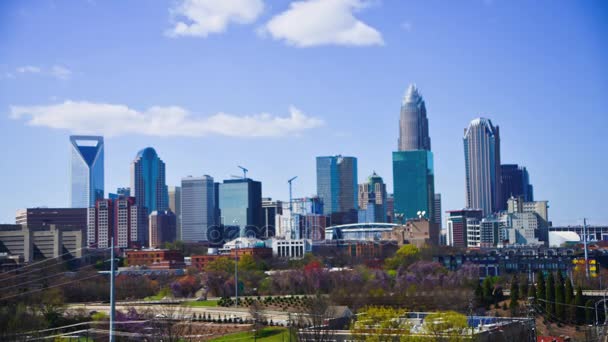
487	288
589	310
540	286
579	301
550	296
569	299
255	311
318	315
523	288
560	311
405	256
532	291
513	304
446	326
379	324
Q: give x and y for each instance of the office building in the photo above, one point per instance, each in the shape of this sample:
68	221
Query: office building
120	192
515	182
413	183
61	217
86	170
372	197
43	242
337	188
390	208
240	203
437	210
175	205
270	209
197	208
482	166
457	226
119	218
162	228
413	122
148	180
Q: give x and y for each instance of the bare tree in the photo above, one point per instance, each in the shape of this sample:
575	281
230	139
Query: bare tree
316	320
171	323
255	311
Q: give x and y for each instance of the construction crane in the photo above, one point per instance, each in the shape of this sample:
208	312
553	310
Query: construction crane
244	171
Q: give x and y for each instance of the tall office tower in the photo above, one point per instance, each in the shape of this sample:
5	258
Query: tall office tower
162	228
197	207
414	184
437	210
390	208
461	224
373	193
270	209
515	182
482	166
337	188
413	123
121	218
175	204
241	206
148	180
86	171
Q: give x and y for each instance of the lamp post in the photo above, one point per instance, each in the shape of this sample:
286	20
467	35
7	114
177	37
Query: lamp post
236	266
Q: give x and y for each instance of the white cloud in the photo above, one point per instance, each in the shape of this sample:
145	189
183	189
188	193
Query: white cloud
60	72
28	69
200	18
115	119
323	22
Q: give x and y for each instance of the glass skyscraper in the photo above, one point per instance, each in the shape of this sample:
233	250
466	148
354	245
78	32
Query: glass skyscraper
372	194
240	203
86	171
414	183
482	166
515	181
148	181
413	123
197	208
337	188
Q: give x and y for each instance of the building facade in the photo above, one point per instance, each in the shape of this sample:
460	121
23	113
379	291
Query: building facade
515	182
86	170
175	205
373	194
61	217
162	228
240	203
198	208
43	242
482	166
437	210
148	181
413	122
457	226
337	187
414	184
119	218
270	209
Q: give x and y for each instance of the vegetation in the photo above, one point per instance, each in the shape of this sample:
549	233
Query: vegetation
268	334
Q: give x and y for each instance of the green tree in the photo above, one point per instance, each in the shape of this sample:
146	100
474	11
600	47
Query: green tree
540	286
523	288
579	301
550	296
221	264
560	297
405	256
446	326
569	299
488	293
380	323
532	291
513	304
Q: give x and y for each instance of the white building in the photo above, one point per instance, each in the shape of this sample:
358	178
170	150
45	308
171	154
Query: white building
197	207
292	249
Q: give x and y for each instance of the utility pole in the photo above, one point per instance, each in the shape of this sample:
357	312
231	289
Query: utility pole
291	223
236	274
585	246
112	299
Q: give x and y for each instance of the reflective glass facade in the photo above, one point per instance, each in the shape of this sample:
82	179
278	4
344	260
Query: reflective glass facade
337	184
148	181
197	208
413	122
240	203
86	171
414	183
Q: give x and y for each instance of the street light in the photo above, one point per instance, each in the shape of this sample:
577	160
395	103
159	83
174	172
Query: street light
236	266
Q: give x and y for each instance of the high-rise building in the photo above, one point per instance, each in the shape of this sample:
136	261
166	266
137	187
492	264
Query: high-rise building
414	184
86	171
337	188
515	182
241	206
175	204
437	210
482	166
162	228
120	192
413	123
372	193
61	217
197	208
390	208
270	209
148	180
462	224
119	218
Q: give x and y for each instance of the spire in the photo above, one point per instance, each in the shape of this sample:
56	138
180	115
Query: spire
411	94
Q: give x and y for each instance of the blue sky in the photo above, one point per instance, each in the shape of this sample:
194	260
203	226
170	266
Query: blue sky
272	84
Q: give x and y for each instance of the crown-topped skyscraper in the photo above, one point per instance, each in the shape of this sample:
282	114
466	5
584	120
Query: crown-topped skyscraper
413	123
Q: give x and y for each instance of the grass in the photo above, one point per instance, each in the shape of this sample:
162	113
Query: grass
268	334
154	298
205	303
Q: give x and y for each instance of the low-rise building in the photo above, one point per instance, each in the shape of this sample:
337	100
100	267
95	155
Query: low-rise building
418	232
155	258
37	243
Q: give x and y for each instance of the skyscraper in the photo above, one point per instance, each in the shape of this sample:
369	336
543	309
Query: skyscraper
162	228
515	182
413	123
337	188
175	204
148	180
120	218
241	206
197	208
373	193
482	165
414	183
437	210
86	171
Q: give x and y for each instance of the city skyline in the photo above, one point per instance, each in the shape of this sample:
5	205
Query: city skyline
479	79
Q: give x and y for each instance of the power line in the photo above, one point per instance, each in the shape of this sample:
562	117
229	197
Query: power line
50	287
43	278
46	260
